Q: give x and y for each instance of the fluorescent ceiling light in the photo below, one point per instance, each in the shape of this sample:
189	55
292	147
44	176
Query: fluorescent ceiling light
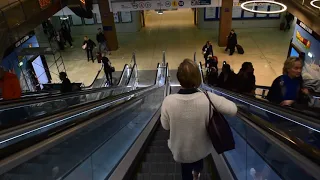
313	3
310	54
284	7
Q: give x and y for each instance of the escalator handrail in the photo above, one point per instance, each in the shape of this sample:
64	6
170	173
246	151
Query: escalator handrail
126	66
8	163
134	68
309	154
95	78
157	117
298	118
57	97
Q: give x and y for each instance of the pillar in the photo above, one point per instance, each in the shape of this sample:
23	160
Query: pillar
225	24
108	25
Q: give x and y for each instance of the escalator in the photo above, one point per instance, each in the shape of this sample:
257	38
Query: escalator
28	110
95	124
121	138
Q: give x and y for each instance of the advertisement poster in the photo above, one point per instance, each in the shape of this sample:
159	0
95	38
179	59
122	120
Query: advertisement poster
210	13
247	14
126	17
200	2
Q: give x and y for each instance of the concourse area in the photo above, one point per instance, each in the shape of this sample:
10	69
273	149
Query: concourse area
159	90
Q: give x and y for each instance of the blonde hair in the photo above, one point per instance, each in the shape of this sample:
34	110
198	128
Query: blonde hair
289	63
188	74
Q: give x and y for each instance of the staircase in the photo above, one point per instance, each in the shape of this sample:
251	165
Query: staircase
158	163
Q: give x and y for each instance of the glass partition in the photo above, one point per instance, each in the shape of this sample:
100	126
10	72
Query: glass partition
93	152
256	157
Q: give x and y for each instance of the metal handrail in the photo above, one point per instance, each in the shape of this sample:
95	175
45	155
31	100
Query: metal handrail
95	78
93	108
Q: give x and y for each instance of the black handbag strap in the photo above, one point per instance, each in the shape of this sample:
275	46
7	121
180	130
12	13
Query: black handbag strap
211	105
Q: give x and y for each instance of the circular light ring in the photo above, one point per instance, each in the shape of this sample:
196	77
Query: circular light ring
312	3
284	7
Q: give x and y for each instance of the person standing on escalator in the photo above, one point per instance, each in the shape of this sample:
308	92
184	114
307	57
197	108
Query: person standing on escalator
108	69
207	50
186	115
66	85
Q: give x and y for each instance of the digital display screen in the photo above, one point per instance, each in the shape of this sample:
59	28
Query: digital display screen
40	71
294	52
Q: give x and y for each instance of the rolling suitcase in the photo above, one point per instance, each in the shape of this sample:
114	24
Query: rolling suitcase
99	57
240	49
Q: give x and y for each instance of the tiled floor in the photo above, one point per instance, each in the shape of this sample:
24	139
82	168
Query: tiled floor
175	33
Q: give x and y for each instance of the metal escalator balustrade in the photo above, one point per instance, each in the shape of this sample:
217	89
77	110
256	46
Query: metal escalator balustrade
112	127
25	112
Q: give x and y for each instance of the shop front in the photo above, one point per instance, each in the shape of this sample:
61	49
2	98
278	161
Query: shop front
32	71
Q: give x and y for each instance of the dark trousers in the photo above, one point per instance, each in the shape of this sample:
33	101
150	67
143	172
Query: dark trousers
69	40
90	54
231	47
109	76
187	169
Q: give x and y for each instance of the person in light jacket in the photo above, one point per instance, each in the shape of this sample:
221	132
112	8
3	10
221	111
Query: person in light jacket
186	116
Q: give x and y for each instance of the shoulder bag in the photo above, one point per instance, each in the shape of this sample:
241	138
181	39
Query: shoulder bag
219	130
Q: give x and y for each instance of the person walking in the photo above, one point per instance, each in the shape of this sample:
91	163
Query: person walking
66	35
107	69
232	42
186	116
101	41
88	45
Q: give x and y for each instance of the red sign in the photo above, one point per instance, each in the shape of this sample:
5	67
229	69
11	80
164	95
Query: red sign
44	3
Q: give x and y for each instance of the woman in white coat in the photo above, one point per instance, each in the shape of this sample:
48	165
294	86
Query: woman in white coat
186	115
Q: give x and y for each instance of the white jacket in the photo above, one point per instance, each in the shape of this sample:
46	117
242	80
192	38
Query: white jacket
186	116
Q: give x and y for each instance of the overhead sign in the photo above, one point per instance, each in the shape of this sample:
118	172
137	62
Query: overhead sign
117	6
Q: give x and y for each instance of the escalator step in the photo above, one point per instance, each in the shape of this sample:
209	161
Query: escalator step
163	176
160	167
159	143
158	149
159	157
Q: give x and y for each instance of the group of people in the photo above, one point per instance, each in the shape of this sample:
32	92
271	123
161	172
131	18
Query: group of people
89	45
286	90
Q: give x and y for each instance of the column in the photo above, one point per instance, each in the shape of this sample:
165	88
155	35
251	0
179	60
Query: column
225	24
108	25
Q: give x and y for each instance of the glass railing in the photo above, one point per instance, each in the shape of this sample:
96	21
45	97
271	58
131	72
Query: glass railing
12	115
95	146
300	128
258	156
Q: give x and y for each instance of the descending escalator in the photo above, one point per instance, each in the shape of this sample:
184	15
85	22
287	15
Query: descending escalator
28	110
130	111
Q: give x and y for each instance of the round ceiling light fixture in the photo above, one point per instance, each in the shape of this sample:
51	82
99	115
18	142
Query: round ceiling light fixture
313	3
283	7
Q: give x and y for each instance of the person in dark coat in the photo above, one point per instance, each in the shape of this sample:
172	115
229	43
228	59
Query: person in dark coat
232	42
207	50
226	78
66	85
88	45
289	18
66	35
107	69
287	89
101	41
246	80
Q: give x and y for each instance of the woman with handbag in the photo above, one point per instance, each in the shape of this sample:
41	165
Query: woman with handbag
188	116
108	69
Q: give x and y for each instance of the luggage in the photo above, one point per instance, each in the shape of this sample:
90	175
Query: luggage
240	49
